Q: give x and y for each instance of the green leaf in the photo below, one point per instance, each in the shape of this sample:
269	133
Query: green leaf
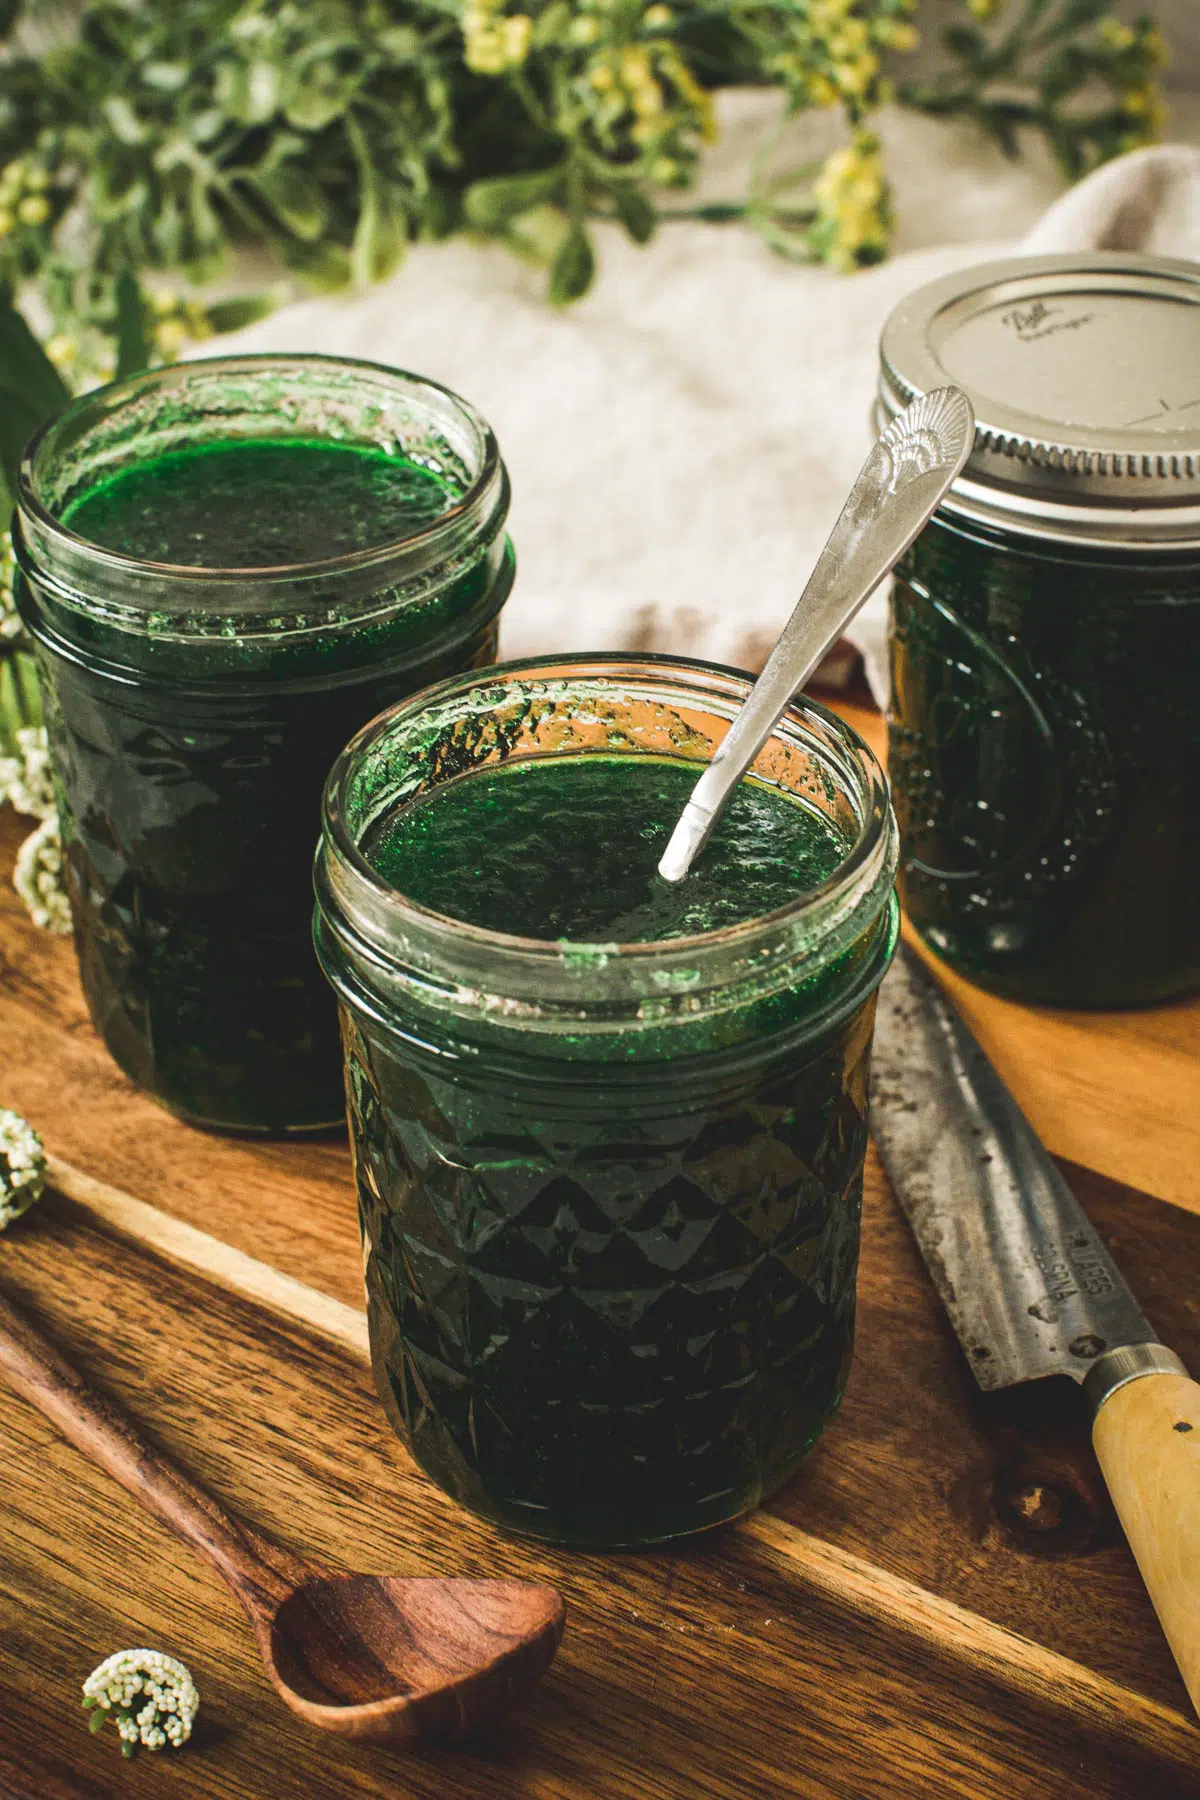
96	1722
295	199
20	699
31	389
537	235
318	91
324	266
245	309
574	267
965	42
1078	13
636	214
490	205
25	369
133	350
381	233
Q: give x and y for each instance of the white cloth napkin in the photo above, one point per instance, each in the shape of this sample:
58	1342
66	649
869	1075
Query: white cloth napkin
681	441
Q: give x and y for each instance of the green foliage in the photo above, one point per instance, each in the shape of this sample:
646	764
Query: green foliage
158	134
1060	67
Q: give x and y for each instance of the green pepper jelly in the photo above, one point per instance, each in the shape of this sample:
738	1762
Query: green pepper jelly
227	567
608	1133
1045	633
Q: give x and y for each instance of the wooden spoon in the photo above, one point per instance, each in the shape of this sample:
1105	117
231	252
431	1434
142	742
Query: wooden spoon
369	1656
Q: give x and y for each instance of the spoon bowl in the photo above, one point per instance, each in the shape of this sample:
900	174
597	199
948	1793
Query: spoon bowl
385	1657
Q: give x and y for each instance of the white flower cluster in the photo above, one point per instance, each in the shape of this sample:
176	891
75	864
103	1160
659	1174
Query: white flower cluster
38	879
10	619
22	1167
152	1697
25	779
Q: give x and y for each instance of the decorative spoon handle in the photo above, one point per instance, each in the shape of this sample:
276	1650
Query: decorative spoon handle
256	1570
909	470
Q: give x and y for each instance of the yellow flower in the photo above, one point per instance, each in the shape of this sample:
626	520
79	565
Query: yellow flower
851	36
584	29
982	9
821	90
856	77
899	36
6	222
491	42
851	200
689	89
657	18
34	209
61	350
517	35
1116	35
602	78
170	337
162	301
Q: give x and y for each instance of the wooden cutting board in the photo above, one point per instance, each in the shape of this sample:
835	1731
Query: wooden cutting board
939	1604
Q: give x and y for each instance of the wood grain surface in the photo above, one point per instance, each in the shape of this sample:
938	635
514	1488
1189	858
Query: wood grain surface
709	1671
941	1602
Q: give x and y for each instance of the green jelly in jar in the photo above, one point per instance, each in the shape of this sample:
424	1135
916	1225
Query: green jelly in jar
1045	632
608	1132
226	568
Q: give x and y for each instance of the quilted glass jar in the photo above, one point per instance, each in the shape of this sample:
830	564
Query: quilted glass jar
609	1193
1045	639
227	567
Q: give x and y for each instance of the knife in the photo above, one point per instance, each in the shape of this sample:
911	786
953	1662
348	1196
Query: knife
1030	1288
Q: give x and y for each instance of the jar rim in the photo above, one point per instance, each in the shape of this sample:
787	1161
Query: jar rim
384	926
180	587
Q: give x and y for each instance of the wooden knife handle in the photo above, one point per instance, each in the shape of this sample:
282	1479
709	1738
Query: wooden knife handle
1147	1440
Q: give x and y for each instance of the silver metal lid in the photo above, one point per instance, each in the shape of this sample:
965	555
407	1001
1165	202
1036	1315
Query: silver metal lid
1084	372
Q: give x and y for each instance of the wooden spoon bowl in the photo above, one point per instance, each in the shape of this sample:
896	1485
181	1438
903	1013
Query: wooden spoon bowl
380	1656
369	1656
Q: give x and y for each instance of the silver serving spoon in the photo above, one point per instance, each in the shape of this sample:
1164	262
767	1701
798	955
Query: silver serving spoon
912	464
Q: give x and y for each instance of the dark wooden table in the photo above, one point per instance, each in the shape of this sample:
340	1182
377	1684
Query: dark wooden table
940	1604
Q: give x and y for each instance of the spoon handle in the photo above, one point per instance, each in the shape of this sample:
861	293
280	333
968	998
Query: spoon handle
259	1572
912	464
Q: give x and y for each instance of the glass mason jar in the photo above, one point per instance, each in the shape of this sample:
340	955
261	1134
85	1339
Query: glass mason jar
194	711
1045	640
609	1194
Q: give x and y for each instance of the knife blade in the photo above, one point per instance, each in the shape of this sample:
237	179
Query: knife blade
1029	1286
983	1198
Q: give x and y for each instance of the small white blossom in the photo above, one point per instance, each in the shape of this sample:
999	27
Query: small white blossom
38	879
152	1697
10	619
25	779
22	1167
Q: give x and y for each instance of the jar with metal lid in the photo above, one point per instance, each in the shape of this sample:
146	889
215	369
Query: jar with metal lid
610	1192
1045	631
227	567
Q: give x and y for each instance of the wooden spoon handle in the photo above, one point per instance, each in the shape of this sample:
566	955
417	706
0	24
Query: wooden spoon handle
259	1572
1147	1441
